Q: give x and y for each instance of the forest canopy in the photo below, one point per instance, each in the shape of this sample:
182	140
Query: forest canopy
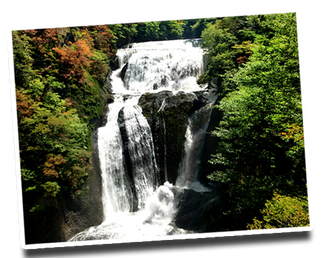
253	62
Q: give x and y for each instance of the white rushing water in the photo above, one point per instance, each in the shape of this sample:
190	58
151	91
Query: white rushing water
161	65
195	135
148	67
116	188
141	152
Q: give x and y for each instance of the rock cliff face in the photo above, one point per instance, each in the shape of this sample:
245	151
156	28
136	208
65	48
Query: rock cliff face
86	210
167	115
198	211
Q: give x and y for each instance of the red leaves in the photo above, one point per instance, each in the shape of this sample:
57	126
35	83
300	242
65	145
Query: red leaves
68	102
42	39
73	59
50	35
22	104
69	52
102	39
242	60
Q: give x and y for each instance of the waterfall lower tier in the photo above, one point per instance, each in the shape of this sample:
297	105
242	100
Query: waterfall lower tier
153	221
117	192
138	152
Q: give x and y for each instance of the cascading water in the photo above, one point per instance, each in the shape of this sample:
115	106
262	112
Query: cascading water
195	135
134	203
139	152
164	65
117	191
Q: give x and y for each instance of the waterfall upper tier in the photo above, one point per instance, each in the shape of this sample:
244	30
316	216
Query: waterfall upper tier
159	65
165	44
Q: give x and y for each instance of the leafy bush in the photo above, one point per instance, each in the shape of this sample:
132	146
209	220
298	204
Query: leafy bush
51	188
283	212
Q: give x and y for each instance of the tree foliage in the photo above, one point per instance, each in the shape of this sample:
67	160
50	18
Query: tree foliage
227	43
73	58
59	75
261	146
283	212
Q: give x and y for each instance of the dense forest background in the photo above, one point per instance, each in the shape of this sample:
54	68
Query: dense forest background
62	87
254	64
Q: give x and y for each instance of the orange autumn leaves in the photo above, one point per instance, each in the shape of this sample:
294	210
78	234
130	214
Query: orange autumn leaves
50	163
295	133
25	105
75	59
70	52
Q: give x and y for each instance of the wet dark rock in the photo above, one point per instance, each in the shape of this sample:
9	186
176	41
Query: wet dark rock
115	64
167	115
198	211
123	71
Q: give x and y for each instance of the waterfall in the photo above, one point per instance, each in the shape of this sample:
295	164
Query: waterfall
112	166
139	150
133	201
164	139
195	135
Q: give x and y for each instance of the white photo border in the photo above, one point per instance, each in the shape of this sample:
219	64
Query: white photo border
148	18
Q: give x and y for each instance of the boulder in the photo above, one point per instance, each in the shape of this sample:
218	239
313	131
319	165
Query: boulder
167	115
198	211
123	71
151	103
115	64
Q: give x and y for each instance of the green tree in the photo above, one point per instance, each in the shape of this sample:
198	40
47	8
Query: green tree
171	30
261	133
218	43
53	147
123	33
227	43
23	60
147	31
194	27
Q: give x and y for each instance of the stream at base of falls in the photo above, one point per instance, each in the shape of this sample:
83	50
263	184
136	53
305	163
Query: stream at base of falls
151	222
135	205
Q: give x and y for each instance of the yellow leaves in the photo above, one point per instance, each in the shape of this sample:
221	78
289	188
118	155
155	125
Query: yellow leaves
55	121
42	128
246	46
51	189
283	211
293	132
32	148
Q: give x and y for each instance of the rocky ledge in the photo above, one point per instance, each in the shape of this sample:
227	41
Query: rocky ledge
167	114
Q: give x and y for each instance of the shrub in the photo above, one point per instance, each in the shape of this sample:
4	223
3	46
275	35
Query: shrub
283	212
